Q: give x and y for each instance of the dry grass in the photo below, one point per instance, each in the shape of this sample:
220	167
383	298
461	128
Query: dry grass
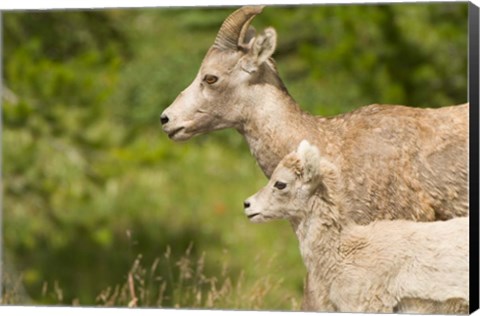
187	285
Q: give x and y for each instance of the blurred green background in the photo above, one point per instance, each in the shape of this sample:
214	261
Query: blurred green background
101	208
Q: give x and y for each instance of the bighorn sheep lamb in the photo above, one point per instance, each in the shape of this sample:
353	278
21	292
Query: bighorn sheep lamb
396	161
363	268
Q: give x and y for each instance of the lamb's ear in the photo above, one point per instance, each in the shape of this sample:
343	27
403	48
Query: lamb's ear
310	158
260	49
329	175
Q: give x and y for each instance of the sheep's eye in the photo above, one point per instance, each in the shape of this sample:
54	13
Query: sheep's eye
210	79
280	185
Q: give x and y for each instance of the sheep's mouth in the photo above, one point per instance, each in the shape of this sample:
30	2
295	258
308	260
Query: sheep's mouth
172	134
250	216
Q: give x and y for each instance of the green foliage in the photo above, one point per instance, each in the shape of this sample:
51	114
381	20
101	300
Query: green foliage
351	56
91	182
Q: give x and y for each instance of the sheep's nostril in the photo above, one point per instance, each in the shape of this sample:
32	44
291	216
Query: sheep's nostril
246	204
164	119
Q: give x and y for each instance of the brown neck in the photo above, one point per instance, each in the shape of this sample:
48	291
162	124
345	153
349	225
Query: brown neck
275	125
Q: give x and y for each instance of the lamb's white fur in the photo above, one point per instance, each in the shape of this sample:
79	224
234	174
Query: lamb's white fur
386	266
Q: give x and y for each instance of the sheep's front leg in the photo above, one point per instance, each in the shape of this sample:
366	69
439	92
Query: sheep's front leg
369	305
316	298
357	292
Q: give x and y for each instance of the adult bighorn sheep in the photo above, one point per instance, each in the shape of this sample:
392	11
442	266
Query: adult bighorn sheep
386	266
396	161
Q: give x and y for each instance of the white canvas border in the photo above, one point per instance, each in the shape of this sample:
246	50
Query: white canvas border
91	4
75	4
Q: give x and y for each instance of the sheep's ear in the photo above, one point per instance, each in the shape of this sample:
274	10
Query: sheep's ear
264	45
310	159
260	49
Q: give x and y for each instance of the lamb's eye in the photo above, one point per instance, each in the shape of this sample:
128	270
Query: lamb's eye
210	79
280	185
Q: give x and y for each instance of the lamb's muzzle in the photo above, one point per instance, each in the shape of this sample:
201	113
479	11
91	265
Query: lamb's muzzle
248	211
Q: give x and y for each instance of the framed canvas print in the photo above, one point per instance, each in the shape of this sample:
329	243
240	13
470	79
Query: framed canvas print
319	157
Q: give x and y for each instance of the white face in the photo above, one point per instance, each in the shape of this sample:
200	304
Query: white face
284	197
212	101
223	89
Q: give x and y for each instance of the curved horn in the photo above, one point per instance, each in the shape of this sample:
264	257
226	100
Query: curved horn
233	29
